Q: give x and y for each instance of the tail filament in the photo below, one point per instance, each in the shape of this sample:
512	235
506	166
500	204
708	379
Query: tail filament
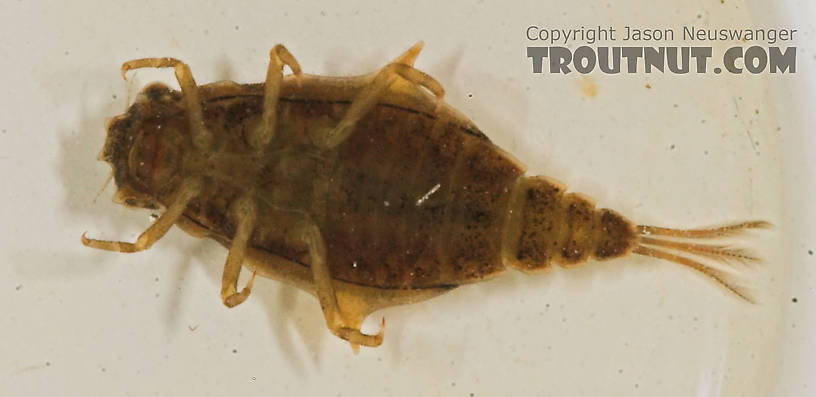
714	260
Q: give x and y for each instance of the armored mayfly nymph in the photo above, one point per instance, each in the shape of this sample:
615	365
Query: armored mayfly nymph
365	191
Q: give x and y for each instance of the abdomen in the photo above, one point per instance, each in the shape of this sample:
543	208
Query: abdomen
411	203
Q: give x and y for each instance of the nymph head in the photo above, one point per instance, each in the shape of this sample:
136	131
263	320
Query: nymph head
144	147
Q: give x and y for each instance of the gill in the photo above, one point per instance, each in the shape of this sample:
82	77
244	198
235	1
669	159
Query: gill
128	95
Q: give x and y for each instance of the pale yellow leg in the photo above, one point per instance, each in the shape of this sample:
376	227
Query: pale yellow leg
408	57
244	212
202	137
326	294
368	96
278	57
188	190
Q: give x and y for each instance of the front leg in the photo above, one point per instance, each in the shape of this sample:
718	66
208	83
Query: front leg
324	288
189	189
202	137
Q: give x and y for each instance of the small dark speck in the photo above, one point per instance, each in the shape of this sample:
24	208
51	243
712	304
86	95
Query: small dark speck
156	279
810	252
66	52
4	130
157	294
702	121
620	370
563	319
636	385
104	370
470	95
253	378
453	383
756	111
234	351
648	86
674	106
705	152
114	96
322	13
237	27
671	147
18	287
548	305
794	300
47	363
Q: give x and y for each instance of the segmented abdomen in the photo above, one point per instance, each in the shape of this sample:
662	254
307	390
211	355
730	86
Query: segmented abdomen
415	203
550	226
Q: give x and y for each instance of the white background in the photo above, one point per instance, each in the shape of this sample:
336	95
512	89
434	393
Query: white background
671	150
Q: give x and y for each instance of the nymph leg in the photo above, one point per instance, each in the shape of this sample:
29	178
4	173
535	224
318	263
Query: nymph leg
326	294
369	95
278	57
202	137
188	190
244	212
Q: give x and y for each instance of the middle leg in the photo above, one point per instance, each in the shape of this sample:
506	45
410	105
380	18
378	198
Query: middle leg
244	211
278	57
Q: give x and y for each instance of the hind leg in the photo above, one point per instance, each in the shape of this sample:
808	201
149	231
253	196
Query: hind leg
369	95
189	189
202	137
408	57
310	234
278	57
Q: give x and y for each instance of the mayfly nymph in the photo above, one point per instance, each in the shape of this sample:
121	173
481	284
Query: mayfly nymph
365	191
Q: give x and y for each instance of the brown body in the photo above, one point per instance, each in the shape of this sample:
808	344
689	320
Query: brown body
410	201
365	193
